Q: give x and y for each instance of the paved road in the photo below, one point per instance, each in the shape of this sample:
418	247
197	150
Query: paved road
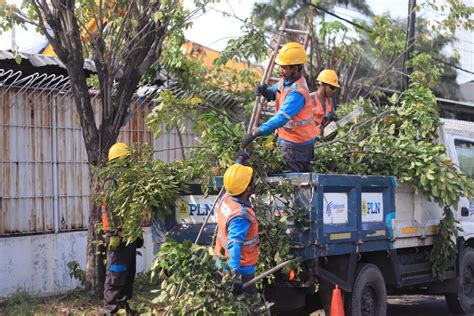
413	305
417	305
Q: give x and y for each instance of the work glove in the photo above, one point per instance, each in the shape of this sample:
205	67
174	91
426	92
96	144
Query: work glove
114	242
328	118
242	157
261	90
249	138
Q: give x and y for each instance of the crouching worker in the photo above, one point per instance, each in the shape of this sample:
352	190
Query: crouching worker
121	258
237	236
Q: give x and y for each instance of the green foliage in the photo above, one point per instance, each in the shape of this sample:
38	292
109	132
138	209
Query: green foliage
459	15
388	40
221	140
277	216
444	249
93	81
333	27
7	14
76	272
138	186
188	72
20	303
400	143
193	285
422	78
250	47
171	111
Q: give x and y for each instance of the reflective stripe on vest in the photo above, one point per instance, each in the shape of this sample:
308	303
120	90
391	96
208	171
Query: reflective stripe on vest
291	125
227	209
298	129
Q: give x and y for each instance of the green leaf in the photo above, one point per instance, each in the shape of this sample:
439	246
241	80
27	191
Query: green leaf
157	16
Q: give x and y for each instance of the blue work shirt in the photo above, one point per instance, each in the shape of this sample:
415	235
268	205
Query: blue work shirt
292	105
238	229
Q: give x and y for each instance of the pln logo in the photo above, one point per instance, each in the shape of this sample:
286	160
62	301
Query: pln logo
374	207
200	209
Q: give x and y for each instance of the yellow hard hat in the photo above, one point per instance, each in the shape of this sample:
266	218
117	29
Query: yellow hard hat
291	53
237	178
330	77
118	150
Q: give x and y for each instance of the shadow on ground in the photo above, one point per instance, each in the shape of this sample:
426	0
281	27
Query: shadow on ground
417	305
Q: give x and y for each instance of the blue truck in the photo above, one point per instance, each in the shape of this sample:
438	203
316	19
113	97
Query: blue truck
368	234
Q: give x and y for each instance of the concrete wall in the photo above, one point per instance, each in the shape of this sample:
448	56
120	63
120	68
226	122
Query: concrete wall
38	263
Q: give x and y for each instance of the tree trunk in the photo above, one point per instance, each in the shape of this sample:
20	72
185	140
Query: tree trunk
138	53
95	262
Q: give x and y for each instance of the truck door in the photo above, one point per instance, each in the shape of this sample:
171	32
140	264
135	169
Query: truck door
462	154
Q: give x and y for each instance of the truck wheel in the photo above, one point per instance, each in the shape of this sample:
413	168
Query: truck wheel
462	302
369	295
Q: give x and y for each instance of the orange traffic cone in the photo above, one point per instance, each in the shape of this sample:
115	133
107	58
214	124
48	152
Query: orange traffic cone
337	307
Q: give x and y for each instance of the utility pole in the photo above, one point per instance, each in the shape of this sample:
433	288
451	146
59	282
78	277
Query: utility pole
410	43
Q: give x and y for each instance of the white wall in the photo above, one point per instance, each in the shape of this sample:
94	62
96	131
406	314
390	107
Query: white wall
38	263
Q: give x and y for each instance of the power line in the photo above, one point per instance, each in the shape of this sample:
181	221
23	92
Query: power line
461	49
452	65
317	6
341	18
369	30
461	40
351	16
349	9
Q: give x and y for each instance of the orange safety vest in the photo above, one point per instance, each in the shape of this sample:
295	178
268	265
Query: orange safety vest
227	209
320	109
103	209
299	129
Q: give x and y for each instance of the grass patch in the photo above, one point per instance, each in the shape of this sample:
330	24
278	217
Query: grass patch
21	303
74	302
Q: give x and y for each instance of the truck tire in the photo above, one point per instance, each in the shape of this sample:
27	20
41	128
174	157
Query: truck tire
462	302
369	295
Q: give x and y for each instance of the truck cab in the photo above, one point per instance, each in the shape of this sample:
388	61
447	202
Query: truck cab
458	137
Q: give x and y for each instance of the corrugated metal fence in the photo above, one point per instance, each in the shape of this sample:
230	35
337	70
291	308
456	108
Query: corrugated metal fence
44	186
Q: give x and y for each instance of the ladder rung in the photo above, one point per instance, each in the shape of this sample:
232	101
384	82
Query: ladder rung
295	31
274	79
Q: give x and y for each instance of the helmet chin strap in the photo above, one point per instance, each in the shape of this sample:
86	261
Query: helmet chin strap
297	75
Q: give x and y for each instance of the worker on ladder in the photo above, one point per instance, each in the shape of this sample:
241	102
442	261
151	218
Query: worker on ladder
324	108
121	257
294	121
